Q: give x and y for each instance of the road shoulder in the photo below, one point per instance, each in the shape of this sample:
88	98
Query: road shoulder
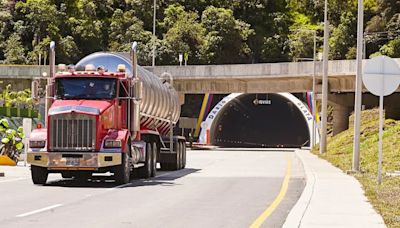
330	198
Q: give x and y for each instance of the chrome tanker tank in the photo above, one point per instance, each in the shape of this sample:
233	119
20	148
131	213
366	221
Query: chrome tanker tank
160	102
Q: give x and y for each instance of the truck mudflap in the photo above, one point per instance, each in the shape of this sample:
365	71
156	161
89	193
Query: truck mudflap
73	160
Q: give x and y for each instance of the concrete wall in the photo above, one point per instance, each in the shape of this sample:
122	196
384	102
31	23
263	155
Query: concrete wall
20	76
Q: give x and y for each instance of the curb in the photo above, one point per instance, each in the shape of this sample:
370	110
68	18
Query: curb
295	215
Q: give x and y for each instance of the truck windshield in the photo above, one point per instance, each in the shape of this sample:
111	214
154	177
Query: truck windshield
85	88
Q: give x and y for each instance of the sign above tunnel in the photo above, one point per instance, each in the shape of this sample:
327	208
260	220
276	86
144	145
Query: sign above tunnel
262	102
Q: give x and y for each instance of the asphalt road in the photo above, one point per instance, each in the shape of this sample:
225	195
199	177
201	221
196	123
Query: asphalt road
223	188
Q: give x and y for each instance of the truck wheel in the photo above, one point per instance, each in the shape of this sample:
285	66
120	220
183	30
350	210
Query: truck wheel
178	155
145	172
166	166
183	154
39	174
122	172
154	161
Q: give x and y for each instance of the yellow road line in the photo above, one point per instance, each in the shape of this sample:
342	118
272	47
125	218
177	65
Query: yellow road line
259	221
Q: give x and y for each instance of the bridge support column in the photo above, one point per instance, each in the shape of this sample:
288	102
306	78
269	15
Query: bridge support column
392	106
392	112
341	115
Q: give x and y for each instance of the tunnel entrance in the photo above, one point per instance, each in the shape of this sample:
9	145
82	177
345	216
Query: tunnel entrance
259	120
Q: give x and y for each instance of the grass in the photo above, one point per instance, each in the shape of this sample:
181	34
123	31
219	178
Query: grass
385	197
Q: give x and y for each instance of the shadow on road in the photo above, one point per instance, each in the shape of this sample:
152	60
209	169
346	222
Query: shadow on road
258	149
165	178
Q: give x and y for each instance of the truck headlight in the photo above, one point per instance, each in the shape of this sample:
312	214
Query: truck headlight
111	143
37	143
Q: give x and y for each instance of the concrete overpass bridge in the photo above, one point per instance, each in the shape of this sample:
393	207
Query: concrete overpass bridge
259	78
290	77
293	77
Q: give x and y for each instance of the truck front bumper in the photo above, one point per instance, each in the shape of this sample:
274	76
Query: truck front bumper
73	160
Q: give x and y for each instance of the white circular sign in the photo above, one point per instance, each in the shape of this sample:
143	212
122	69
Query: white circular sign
381	75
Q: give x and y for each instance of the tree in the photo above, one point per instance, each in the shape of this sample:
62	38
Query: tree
391	49
226	37
343	37
184	33
40	19
126	28
14	52
301	43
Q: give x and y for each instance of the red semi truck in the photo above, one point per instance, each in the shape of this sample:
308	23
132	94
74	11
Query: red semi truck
106	114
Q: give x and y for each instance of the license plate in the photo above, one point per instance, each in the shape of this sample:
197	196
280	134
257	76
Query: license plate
73	161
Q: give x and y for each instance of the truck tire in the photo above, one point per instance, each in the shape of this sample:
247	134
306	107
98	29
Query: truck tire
146	171
39	174
166	166
178	156
183	154
154	160
122	172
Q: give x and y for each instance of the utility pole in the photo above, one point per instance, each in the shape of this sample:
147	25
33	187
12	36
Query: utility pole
357	98
324	121
153	63
314	105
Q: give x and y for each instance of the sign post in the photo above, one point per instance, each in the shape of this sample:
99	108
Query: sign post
27	126
381	77
180	59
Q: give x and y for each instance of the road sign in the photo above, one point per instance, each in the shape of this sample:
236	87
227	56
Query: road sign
381	77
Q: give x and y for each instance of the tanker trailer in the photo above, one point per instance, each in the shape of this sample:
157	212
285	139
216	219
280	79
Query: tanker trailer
107	114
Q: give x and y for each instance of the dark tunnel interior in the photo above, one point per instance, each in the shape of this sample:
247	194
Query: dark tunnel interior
244	123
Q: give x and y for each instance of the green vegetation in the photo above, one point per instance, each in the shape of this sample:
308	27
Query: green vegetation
11	140
384	197
20	99
209	31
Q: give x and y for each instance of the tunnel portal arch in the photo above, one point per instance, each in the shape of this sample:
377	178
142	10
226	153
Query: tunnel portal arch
238	121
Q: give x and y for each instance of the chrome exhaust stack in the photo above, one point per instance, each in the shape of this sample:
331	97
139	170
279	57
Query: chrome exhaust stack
135	93
49	86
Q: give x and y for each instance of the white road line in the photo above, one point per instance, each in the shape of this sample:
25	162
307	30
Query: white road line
15	179
39	210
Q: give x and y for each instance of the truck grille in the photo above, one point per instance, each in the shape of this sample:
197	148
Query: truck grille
72	132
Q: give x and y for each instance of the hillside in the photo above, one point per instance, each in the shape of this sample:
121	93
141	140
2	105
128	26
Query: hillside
385	198
208	31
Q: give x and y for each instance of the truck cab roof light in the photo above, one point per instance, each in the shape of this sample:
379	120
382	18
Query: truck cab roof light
62	67
71	68
90	67
101	69
121	68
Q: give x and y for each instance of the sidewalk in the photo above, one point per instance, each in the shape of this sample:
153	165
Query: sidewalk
330	199
15	172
